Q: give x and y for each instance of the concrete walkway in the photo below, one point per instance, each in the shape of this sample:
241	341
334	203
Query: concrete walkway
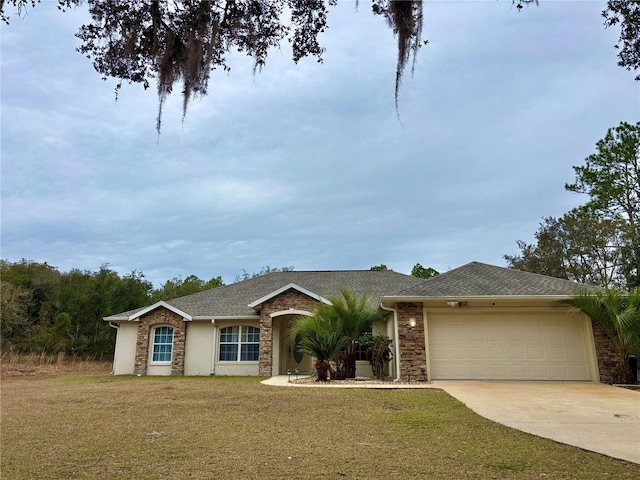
283	381
592	416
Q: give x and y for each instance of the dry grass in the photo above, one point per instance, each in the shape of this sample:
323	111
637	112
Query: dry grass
89	427
42	365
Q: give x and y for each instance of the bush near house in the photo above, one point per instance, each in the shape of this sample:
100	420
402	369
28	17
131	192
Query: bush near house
618	314
378	350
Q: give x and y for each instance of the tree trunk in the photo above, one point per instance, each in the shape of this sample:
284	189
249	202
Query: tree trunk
323	368
345	365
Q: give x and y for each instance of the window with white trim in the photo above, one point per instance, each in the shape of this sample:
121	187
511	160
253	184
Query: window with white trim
361	352
162	345
240	343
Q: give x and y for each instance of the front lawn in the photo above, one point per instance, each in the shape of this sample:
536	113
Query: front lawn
90	427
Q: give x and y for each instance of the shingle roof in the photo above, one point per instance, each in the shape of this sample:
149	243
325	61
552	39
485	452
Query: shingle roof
233	300
471	280
480	279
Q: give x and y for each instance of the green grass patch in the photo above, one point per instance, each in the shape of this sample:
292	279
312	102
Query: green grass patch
87	427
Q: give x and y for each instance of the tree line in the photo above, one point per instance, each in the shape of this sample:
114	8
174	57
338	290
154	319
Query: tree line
44	310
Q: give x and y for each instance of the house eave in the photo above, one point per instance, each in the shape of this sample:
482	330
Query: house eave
135	316
229	317
115	318
452	300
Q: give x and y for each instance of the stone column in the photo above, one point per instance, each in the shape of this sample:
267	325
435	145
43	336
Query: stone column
413	357
608	359
265	361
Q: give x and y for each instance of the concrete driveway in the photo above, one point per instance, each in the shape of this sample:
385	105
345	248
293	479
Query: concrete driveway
592	416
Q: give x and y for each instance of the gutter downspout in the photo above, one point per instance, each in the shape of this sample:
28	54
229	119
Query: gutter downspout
396	343
115	348
213	348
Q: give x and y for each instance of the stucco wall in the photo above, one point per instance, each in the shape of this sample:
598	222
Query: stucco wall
278	326
198	348
243	369
363	369
388	329
158	370
124	356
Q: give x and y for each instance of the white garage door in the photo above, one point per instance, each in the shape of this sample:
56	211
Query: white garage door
507	346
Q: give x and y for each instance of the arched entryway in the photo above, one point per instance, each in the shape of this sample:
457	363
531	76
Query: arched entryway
286	356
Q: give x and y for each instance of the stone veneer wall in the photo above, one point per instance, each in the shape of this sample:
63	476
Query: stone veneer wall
286	300
160	316
606	354
413	355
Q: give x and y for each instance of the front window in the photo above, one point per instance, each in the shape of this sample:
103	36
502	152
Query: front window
239	344
162	344
362	352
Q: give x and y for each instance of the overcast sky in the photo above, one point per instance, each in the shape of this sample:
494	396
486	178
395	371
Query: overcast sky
308	165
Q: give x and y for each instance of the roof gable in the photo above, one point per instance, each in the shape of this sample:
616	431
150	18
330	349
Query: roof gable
137	314
289	286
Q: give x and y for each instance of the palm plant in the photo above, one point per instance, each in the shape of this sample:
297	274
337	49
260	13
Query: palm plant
355	316
320	338
618	314
331	334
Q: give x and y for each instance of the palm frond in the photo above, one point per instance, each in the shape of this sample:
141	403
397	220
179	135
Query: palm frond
319	338
617	313
355	314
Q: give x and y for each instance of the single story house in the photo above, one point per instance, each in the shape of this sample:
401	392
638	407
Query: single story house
477	321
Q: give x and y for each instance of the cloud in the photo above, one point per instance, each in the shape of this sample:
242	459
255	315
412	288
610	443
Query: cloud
309	165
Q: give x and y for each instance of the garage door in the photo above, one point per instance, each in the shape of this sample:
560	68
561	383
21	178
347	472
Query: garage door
505	346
